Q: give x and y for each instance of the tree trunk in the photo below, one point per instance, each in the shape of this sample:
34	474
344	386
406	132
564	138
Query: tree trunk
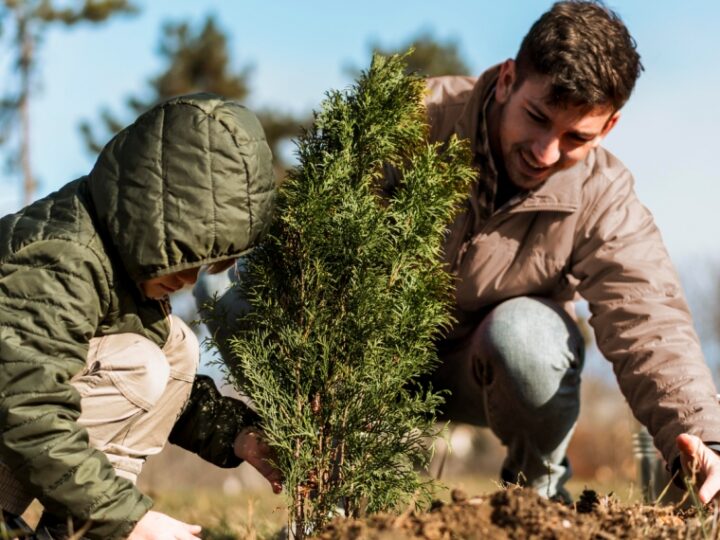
25	67
297	529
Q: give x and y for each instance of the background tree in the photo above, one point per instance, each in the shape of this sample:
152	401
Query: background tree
701	281
198	60
347	294
27	21
430	57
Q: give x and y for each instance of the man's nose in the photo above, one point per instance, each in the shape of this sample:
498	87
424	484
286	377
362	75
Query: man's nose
546	151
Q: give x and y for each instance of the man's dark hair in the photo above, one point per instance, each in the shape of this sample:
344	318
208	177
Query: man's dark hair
587	52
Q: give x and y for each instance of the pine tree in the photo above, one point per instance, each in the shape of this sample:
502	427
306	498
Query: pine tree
347	293
197	60
29	20
431	57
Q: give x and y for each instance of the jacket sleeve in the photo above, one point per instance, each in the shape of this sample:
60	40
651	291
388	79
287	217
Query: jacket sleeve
210	422
51	296
641	319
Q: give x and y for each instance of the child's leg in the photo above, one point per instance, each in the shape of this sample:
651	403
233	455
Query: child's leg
132	393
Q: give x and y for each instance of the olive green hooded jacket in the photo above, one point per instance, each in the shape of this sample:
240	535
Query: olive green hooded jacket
189	183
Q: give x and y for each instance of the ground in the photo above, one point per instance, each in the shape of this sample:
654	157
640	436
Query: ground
522	514
238	504
501	514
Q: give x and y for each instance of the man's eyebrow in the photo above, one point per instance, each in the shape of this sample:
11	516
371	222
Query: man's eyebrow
584	134
535	109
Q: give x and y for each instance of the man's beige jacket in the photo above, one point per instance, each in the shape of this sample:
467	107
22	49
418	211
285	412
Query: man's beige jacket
583	231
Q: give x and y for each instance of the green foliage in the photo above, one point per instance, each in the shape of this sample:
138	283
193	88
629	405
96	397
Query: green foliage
430	57
93	11
196	60
27	21
347	295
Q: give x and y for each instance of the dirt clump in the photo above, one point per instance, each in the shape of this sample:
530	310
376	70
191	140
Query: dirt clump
522	514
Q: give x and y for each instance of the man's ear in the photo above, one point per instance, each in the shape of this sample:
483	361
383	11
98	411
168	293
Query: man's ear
611	123
505	82
607	128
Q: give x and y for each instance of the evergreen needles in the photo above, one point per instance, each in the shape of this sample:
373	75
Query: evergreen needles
347	294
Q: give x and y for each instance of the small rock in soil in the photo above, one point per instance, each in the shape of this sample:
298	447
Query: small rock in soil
458	495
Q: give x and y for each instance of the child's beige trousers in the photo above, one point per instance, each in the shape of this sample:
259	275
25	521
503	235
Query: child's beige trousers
132	392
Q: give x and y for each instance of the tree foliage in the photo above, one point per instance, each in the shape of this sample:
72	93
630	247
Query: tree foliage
27	21
430	57
196	60
347	293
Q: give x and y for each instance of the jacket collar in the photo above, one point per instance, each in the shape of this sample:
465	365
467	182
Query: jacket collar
559	193
471	124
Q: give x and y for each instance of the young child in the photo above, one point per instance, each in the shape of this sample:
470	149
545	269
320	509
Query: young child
95	373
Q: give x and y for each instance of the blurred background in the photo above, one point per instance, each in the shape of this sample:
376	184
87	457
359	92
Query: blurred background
76	71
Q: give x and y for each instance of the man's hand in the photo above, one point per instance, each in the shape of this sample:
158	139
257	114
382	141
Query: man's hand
250	446
701	462
157	526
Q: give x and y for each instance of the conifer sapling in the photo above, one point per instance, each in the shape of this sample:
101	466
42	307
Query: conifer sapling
347	294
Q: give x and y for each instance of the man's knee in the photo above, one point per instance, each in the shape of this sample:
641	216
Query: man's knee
225	320
531	348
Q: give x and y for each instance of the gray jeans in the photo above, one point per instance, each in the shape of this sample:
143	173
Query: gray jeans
518	373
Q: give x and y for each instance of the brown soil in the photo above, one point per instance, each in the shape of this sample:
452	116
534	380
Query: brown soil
522	514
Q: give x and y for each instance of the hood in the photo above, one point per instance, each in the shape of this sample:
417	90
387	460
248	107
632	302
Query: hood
189	183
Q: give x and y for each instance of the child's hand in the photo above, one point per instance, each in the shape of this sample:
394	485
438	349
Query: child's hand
157	526
250	446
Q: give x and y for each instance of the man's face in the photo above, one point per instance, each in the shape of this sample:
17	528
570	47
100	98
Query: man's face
159	287
537	139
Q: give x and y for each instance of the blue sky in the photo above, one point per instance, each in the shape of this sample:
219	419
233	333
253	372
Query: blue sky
668	134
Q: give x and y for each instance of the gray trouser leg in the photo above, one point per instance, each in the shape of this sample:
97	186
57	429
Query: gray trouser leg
519	375
221	314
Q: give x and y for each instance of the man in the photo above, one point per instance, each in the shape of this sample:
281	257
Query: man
95	374
553	214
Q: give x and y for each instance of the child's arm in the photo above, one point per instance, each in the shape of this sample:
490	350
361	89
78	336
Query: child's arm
210	423
52	295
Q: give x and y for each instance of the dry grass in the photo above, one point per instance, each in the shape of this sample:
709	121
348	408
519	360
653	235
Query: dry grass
249	515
